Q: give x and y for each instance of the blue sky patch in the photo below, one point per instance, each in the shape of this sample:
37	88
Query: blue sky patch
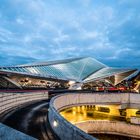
42	30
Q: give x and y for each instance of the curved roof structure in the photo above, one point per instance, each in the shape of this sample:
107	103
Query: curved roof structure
85	69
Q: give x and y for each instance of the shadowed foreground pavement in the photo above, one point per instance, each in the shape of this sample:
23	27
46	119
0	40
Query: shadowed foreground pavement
32	120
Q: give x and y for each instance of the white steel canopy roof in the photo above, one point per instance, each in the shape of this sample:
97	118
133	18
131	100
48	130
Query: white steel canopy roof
85	69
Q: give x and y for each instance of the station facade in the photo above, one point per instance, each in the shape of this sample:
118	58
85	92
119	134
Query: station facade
62	74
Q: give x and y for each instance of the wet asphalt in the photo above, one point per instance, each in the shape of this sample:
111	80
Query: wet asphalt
32	120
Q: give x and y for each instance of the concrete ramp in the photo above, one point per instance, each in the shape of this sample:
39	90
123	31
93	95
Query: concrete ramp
7	133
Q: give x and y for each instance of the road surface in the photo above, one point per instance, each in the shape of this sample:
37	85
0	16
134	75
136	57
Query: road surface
32	120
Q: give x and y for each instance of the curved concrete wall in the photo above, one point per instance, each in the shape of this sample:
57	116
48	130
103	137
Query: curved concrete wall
10	100
7	133
67	131
125	100
64	129
110	127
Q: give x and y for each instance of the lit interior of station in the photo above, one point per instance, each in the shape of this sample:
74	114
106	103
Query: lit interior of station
98	112
79	73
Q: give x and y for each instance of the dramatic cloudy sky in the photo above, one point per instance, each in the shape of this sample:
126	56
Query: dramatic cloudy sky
40	30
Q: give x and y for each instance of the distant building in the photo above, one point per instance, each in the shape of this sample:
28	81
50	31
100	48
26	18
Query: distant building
60	73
